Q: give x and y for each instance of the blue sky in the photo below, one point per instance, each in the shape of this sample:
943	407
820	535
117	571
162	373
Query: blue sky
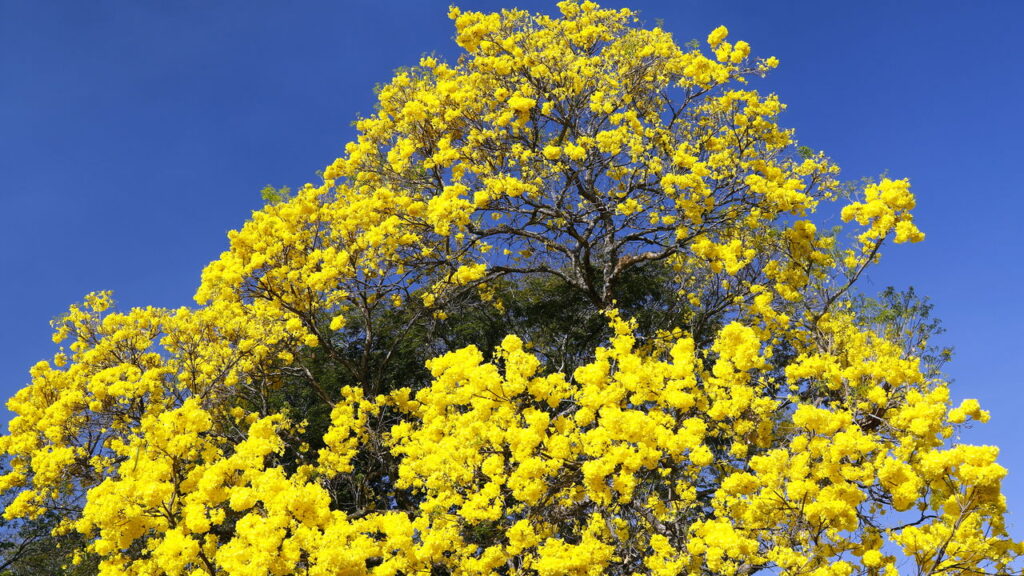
134	135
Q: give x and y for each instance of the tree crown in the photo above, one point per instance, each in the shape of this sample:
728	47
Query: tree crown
569	305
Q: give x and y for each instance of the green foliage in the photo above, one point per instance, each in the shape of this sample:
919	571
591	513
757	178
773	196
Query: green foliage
273	195
904	317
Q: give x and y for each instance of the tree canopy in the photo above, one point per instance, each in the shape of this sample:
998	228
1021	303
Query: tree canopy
574	304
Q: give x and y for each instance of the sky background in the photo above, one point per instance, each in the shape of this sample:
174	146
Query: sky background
134	135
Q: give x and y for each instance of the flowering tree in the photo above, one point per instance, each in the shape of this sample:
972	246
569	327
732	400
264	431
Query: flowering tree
563	307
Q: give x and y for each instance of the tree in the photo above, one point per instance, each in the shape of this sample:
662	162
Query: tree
566	306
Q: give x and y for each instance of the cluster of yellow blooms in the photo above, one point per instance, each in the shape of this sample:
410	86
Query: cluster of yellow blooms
785	436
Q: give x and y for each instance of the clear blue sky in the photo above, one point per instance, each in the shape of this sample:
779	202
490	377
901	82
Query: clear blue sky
134	135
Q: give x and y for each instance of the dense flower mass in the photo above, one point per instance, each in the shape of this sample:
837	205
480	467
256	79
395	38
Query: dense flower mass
568	306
